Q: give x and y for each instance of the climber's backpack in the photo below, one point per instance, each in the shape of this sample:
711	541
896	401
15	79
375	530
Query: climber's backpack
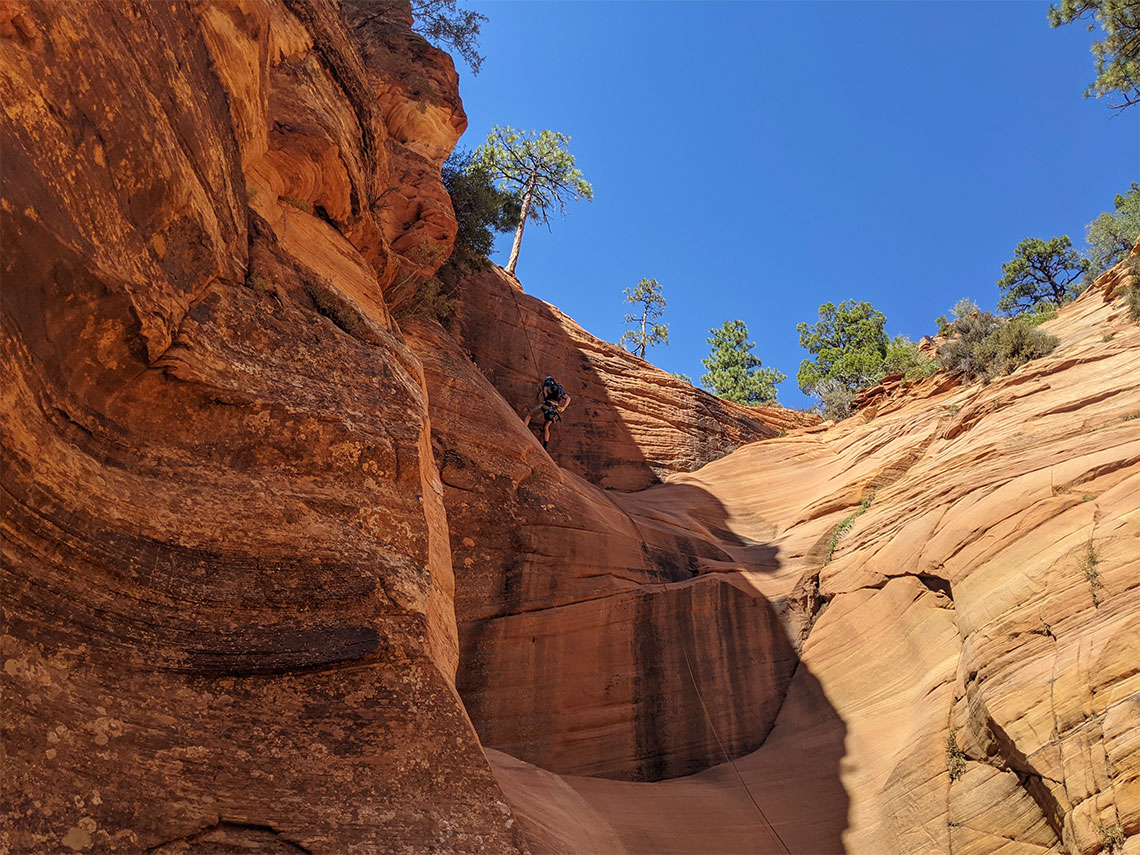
552	390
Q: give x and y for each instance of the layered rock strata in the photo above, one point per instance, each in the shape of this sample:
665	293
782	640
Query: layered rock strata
227	590
975	549
632	424
555	576
252	521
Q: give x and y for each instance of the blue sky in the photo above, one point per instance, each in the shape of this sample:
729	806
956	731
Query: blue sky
759	159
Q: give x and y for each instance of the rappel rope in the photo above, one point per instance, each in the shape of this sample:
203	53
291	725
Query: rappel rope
688	665
522	326
708	719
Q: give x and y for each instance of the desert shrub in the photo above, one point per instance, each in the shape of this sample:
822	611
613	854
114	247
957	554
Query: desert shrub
1132	300
299	204
1012	345
969	330
1112	837
984	347
430	302
1043	312
904	358
334	307
955	756
1090	563
835	399
964	308
259	282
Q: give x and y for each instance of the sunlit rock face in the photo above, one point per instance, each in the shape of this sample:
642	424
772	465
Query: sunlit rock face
986	586
227	593
281	560
630	424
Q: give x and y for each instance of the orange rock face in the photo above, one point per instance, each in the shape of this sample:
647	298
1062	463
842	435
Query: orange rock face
555	575
986	587
284	568
630	425
227	590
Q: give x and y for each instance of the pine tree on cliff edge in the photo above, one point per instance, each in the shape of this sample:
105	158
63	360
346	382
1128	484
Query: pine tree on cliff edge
536	167
734	372
648	295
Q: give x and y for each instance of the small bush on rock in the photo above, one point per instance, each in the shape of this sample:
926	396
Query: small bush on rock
835	399
431	302
1132	300
955	756
984	347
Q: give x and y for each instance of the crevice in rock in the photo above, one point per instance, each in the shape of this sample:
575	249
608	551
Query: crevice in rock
936	584
232	836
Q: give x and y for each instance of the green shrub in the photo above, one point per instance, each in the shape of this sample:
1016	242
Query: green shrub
984	347
1013	345
1043	312
1111	837
969	331
1132	301
955	756
841	530
904	358
430	302
846	524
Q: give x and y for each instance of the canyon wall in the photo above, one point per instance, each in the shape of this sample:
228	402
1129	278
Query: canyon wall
979	615
632	424
283	567
227	588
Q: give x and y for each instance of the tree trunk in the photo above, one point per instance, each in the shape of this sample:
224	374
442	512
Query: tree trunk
644	315
527	197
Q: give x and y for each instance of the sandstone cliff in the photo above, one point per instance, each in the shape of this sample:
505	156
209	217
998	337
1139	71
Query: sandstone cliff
227	589
987	588
283	567
633	424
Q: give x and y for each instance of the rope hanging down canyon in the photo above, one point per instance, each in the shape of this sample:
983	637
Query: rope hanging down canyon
729	760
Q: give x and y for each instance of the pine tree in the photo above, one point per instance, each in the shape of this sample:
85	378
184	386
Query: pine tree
1117	54
539	169
648	296
849	346
734	373
1041	272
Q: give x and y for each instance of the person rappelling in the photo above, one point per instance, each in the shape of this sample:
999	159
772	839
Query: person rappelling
552	402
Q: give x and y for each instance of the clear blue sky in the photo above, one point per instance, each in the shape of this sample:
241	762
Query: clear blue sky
759	159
